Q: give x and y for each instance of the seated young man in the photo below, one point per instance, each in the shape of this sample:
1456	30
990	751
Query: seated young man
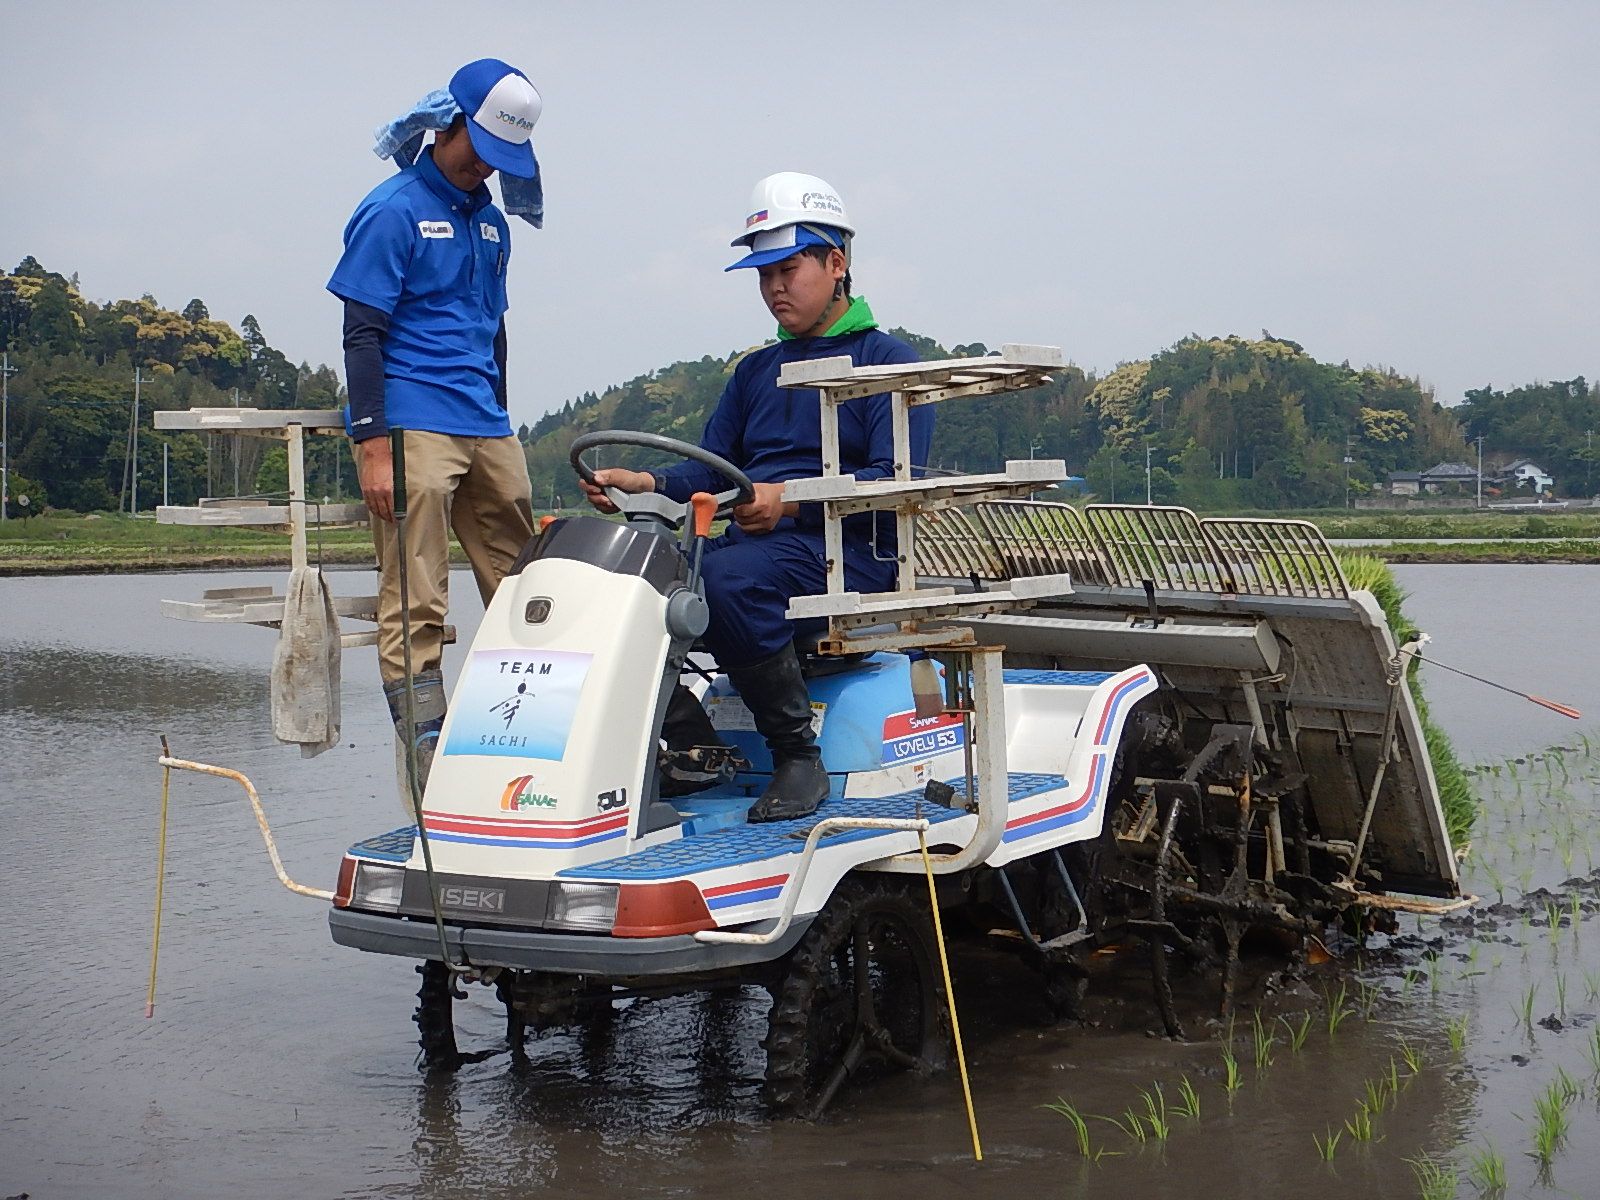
798	240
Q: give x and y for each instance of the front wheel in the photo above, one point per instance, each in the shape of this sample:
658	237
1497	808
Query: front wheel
860	994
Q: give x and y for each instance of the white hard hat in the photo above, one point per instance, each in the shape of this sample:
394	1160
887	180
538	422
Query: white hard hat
792	198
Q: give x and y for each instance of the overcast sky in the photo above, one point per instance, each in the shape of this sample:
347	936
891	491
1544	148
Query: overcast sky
1414	185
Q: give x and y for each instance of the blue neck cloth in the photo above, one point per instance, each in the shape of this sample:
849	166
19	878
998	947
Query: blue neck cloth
401	140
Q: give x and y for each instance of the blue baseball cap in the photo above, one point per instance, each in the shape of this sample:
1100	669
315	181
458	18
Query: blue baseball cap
501	108
775	245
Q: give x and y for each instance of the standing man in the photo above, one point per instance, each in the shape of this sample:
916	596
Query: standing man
423	281
798	239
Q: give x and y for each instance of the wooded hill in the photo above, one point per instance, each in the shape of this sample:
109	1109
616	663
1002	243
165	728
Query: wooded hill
1231	423
71	397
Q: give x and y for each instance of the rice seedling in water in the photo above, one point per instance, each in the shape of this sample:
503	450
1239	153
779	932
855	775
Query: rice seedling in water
1561	994
1456	1029
1297	1032
1188	1104
1566	1086
1411	1056
1550	1132
1080	1127
1338	1010
1231	1079
1591	985
1525	1011
1130	1125
1264	1041
1435	1180
1377	1095
1360	1126
1591	1049
1327	1145
1407	980
1487	1172
1368	994
1155	1113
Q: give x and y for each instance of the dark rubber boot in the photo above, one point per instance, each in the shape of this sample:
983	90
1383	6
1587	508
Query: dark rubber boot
428	707
775	693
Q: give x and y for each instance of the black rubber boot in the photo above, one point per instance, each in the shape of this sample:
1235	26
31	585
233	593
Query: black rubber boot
775	693
428	707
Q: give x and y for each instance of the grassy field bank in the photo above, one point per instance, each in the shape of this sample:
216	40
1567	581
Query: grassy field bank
71	544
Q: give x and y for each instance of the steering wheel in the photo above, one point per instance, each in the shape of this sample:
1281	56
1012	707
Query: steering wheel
652	504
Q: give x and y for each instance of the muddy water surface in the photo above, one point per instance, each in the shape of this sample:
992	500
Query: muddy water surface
279	1064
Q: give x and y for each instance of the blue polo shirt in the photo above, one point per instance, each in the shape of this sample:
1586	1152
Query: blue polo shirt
434	258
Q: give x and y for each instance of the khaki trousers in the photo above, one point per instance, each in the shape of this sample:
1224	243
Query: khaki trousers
477	487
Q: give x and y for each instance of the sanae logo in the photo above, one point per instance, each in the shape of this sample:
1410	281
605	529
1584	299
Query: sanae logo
519	794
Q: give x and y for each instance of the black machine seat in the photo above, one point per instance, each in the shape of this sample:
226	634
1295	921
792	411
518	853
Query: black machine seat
814	663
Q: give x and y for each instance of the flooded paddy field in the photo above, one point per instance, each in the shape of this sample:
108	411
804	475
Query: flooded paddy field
1441	1058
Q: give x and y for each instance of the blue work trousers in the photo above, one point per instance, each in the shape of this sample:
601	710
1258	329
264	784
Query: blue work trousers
750	579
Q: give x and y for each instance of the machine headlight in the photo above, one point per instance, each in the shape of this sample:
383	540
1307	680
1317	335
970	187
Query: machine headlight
377	887
591	907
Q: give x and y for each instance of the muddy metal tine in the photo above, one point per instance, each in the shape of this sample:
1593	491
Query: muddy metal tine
1038	523
1222	558
1084	542
1217	539
1029	539
1165	553
1058	519
1250	577
1115	541
1144	542
1262	582
1192	565
1104	531
1007	534
1308	564
1025	538
1280	575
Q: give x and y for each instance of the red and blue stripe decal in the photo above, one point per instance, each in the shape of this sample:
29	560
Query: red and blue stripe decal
524	834
749	891
1069	813
1108	715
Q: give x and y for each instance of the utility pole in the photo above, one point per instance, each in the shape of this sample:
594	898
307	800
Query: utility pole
1147	500
138	378
164	500
6	372
1348	459
1479	440
1588	462
238	443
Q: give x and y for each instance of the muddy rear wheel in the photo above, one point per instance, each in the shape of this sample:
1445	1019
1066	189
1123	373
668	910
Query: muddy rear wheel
859	995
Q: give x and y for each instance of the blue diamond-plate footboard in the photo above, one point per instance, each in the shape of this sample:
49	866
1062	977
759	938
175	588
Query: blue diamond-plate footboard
753	843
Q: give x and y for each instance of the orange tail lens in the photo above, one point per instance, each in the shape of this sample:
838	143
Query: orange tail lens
346	884
705	507
660	909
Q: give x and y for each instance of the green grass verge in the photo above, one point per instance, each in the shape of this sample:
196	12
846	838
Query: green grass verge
1371	574
1563	552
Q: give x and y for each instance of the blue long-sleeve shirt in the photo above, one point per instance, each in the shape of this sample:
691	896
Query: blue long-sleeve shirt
774	434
